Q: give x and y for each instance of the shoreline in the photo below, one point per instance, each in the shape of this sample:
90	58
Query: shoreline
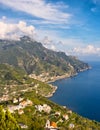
62	77
54	90
56	87
67	75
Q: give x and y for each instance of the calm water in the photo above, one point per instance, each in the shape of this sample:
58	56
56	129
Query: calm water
81	93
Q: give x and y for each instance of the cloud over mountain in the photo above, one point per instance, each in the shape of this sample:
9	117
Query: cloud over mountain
88	50
14	31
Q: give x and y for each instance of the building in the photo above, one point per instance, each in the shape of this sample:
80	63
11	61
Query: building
23	104
46	108
20	111
21	99
43	107
71	126
23	126
15	100
57	113
50	126
65	116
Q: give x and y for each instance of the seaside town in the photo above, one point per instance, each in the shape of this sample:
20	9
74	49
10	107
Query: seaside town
19	104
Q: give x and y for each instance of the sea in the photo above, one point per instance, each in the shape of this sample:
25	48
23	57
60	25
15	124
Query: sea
81	93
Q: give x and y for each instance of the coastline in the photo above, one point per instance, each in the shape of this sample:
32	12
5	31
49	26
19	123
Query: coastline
62	77
56	87
52	93
67	75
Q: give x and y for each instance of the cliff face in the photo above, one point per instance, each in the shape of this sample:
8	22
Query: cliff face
35	59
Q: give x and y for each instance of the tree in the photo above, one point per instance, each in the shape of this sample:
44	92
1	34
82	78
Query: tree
7	121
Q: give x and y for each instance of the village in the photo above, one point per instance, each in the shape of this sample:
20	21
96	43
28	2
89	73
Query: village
19	104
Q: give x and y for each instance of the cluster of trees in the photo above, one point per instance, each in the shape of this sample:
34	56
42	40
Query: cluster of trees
7	121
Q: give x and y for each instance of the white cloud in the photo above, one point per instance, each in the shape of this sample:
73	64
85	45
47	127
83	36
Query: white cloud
41	9
4	17
88	50
46	40
52	47
70	45
48	43
53	37
14	31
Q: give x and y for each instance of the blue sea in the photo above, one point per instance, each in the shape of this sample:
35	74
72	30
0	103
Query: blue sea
81	93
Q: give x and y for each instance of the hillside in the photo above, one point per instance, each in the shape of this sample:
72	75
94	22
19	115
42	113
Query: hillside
14	81
32	112
35	59
24	98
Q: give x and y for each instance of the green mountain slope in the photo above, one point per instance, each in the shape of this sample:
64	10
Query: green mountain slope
32	57
14	81
36	110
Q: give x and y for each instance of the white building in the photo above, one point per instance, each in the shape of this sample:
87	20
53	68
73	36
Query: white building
20	111
46	108
43	107
15	100
71	126
65	117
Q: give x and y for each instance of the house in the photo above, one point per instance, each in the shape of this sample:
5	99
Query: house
65	116
69	112
23	126
47	124
20	111
43	107
29	102
36	92
64	107
53	125
20	99
14	108
71	126
4	98
46	108
39	108
19	107
15	100
23	104
50	126
57	113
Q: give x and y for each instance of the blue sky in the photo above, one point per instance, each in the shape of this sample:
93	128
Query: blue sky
72	26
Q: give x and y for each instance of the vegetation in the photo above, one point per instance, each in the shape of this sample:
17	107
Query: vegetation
36	120
7	121
14	81
32	57
22	96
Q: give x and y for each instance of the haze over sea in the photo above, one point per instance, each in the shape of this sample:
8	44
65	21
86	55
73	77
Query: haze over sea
81	93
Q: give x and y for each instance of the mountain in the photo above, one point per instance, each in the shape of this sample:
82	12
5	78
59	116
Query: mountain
34	58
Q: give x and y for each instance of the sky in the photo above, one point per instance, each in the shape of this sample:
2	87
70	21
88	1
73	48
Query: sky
72	26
